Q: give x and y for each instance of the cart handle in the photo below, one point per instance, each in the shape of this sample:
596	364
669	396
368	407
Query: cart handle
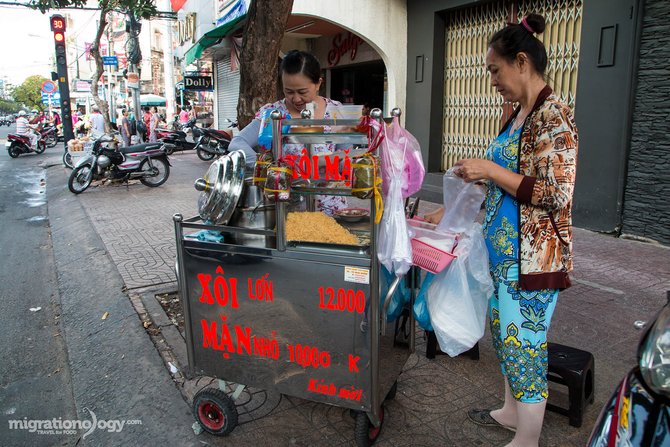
387	301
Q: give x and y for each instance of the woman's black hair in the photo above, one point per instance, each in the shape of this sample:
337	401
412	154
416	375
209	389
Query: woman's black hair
519	38
297	61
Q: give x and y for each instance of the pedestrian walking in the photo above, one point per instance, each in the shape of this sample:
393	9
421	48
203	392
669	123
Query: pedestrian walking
153	124
97	120
124	128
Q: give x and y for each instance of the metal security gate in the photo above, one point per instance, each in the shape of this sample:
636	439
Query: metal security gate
473	110
227	92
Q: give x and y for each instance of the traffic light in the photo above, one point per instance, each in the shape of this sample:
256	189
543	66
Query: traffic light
58	27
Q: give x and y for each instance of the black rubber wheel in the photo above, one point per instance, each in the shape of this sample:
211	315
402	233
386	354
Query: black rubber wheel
13	151
80	179
67	160
215	411
365	433
41	146
205	156
159	171
392	392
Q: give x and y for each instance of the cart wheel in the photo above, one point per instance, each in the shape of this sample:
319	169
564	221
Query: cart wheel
394	389
365	433
215	411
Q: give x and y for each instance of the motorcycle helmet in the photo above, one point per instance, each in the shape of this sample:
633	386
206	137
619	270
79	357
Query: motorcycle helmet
22	113
34	112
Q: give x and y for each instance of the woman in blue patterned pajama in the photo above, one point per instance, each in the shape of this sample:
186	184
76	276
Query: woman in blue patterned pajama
530	171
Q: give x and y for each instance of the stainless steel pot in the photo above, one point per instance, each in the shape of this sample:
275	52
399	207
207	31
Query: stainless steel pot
261	217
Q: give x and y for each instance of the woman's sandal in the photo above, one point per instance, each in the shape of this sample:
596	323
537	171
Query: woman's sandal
483	417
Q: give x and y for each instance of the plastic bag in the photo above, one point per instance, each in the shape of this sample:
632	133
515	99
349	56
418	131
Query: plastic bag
398	299
394	250
401	156
458	296
265	131
420	308
462	202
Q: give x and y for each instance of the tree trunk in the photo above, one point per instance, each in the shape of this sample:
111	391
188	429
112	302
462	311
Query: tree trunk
263	32
99	69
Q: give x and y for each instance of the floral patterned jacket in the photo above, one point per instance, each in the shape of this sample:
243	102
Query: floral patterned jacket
548	162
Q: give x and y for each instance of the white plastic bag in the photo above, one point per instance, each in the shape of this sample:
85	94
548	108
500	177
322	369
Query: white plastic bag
462	202
458	296
394	249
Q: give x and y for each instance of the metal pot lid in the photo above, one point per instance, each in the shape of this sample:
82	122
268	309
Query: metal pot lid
221	188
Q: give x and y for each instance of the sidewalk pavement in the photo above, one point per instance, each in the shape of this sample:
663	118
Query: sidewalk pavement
616	282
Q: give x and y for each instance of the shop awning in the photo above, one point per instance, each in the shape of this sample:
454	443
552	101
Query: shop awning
212	37
152	100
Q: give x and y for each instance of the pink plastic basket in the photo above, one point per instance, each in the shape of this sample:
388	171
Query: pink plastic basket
430	258
424	255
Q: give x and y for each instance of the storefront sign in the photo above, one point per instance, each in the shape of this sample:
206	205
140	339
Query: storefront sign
343	45
198	83
187	29
82	85
133	80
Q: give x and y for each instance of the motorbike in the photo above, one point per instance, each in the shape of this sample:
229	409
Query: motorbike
50	135
638	412
179	139
20	144
211	142
147	162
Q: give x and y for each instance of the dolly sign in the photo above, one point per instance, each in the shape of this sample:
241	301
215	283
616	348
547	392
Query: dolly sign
198	83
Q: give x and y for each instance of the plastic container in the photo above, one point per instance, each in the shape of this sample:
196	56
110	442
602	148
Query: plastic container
76	155
431	249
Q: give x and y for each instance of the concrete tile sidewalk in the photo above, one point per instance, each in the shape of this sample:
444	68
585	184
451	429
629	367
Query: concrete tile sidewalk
616	282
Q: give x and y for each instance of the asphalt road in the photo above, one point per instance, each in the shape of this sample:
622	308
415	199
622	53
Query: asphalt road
35	380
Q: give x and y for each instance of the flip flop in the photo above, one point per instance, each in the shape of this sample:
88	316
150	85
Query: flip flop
484	418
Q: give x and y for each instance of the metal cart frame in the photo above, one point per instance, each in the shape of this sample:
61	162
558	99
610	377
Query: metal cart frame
310	323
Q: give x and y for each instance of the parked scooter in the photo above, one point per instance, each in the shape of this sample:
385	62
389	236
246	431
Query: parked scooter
211	142
147	162
638	413
20	144
179	140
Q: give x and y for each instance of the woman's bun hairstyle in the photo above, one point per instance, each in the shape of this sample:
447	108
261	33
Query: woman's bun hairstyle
520	37
536	22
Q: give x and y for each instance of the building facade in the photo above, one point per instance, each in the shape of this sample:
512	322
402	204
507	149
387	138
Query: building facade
606	60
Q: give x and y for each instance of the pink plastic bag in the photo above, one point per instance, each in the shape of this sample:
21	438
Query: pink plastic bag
401	155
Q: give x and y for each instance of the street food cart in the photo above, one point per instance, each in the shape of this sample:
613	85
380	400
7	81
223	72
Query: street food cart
305	319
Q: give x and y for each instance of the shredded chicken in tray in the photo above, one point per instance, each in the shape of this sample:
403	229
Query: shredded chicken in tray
317	227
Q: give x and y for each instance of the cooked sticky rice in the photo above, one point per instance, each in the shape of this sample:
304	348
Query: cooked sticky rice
317	227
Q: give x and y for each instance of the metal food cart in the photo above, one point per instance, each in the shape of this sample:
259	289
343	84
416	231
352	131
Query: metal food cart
304	319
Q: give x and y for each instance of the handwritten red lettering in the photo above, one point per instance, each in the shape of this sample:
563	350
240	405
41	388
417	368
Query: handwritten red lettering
351	393
353	363
225	291
206	296
219	337
347	300
307	356
321	388
261	289
307	167
330	389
